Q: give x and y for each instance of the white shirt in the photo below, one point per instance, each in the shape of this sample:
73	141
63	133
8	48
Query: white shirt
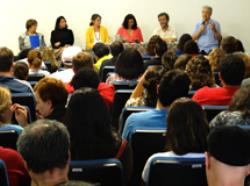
164	34
44	72
65	76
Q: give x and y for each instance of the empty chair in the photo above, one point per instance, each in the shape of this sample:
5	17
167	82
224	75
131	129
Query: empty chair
212	111
145	143
105	71
177	172
106	172
8	138
3	174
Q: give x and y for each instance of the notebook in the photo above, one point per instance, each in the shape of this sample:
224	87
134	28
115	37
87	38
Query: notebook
34	41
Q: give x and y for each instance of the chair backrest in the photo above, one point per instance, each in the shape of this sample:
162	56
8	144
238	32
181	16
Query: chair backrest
145	143
128	84
8	138
177	172
105	71
120	99
3	174
212	111
106	172
35	77
126	112
26	99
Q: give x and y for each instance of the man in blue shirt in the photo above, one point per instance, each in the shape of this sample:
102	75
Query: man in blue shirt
174	84
207	32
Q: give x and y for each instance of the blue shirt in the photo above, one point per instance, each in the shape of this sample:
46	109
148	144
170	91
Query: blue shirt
17	128
152	119
207	41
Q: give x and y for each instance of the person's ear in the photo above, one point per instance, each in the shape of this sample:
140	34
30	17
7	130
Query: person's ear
49	103
207	160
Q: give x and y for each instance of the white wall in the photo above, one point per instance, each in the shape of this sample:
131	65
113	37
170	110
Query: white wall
233	15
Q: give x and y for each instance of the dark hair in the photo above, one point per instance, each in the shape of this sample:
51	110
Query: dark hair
126	19
168	60
160	47
129	64
182	61
49	142
85	77
200	72
91	137
30	23
57	27
6	59
116	48
151	45
239	46
228	44
21	70
174	84
183	39
82	60
232	70
191	47
93	18
100	50
164	14
23	54
187	127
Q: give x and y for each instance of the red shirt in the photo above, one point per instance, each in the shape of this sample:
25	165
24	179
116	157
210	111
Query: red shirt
215	96
135	36
17	172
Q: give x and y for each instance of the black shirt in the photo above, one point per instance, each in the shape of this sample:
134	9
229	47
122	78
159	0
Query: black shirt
65	36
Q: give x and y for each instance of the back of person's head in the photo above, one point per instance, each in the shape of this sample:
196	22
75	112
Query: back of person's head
187	127
44	145
181	61
5	102
91	137
191	47
199	72
239	46
228	44
30	23
183	39
6	59
21	70
35	58
116	48
86	77
151	45
129	65
160	47
168	60
82	60
174	84
215	57
126	20
68	54
100	50
232	70
58	20
52	89
246	59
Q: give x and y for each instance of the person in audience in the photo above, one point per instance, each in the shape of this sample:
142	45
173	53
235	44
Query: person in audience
180	46
168	60
182	61
96	33
228	44
238	112
48	164
67	57
166	32
150	49
174	84
185	135
21	71
129	67
191	48
160	48
231	75
207	32
50	60
239	46
214	58
129	32
246	59
200	73
93	137
35	62
6	74
101	52
61	36
225	166
25	40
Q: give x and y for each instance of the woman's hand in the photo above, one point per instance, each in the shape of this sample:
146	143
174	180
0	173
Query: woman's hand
21	114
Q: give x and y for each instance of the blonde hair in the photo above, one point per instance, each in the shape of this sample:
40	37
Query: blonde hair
35	58
214	58
5	99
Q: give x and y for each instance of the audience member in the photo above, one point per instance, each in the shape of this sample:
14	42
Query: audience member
101	52
21	71
180	46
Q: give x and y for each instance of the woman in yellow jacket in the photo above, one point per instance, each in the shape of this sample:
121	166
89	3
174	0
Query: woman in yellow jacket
96	33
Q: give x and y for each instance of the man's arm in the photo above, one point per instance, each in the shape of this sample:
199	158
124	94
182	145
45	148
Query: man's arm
196	35
216	31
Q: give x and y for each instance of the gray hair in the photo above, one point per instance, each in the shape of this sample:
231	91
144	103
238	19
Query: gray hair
209	8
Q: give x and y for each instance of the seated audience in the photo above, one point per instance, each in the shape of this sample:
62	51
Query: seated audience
174	84
101	52
168	60
214	58
231	74
96	33
21	71
129	32
6	74
191	47
246	59
182	61
239	46
180	46
48	164
61	36
31	38
129	66
165	31
185	135
150	49
199	71
228	44
225	166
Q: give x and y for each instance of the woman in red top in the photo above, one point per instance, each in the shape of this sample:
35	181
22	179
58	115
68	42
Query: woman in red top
129	32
